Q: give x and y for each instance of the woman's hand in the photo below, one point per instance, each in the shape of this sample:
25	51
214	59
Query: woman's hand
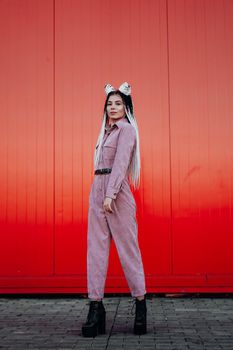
107	204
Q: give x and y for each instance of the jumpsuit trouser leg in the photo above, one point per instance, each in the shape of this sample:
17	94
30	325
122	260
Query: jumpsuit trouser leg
99	239
125	235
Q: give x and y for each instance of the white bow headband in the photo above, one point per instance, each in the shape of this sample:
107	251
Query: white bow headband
125	88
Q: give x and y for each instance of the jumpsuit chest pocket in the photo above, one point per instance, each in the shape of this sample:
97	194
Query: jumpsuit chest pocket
109	151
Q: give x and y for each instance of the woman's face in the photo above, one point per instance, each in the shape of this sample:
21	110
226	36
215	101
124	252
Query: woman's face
115	108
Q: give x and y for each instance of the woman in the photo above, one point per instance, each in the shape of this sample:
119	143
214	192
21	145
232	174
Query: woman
112	209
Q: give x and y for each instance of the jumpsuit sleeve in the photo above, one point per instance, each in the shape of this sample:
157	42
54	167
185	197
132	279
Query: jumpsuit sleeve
126	142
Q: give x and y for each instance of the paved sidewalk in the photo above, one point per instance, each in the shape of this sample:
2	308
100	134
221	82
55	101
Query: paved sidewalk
54	322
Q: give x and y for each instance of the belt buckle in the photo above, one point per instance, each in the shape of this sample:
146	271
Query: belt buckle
103	171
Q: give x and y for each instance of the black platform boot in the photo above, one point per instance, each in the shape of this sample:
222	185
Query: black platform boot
95	322
140	324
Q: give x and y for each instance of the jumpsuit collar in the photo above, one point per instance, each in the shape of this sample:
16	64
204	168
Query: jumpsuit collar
118	123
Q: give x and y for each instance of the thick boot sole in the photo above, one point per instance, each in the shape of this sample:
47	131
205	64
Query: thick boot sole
93	330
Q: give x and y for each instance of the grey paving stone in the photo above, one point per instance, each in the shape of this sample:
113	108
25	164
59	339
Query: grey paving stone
54	322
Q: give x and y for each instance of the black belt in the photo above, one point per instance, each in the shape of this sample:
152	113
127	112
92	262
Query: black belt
103	171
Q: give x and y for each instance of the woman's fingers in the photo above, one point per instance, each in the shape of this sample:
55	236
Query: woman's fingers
107	205
108	208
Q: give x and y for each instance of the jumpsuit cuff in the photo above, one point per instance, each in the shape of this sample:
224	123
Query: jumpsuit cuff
111	192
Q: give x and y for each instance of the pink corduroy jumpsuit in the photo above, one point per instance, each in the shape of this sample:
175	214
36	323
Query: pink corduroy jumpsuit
121	225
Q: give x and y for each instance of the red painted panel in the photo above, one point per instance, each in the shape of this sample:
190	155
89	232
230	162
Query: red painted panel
26	141
201	85
57	56
89	54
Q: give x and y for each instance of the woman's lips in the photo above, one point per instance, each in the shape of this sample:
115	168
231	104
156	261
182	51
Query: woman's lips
113	112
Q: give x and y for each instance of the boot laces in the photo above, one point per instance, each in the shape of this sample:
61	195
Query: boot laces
133	306
93	309
139	308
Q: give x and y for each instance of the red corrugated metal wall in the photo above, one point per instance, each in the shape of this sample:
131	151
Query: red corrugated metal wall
56	56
